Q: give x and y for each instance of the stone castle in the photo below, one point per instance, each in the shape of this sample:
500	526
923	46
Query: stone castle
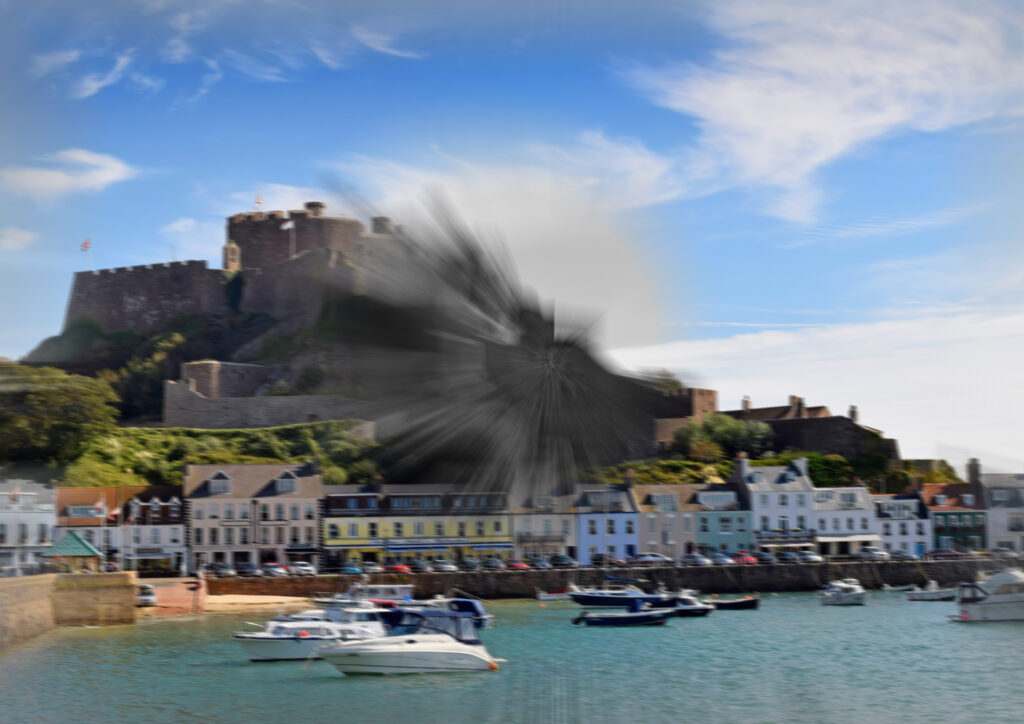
281	264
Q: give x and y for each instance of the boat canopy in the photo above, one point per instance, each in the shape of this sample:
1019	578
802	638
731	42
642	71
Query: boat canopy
457	624
467	605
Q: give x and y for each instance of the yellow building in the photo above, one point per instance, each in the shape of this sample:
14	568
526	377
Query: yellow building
385	523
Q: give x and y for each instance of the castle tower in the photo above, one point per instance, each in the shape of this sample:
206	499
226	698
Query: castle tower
232	256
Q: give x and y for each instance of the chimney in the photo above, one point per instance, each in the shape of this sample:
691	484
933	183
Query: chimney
315	208
745	403
801	465
974	471
801	409
627	478
741	466
853	413
381	225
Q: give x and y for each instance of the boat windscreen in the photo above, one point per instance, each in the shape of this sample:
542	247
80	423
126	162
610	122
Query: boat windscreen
458	627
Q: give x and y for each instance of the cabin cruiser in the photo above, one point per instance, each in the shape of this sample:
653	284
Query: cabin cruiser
424	641
299	639
638	614
688	605
1000	597
620	596
844	592
384	594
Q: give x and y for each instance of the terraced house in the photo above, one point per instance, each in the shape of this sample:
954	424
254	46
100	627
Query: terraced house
1003	496
957	514
392	523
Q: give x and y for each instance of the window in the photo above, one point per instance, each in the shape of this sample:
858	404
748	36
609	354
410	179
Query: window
764	499
629	527
968	500
371	529
219	484
154	536
294	510
999	495
175	510
353	530
229	536
457	501
229	511
243	511
741	525
309	534
293	534
264	511
417	529
704	524
591	526
3	532
886	529
286	484
309	512
214	510
371	502
243	536
399	530
664	536
764	522
279	535
863	523
903	528
849	524
546	526
137	536
198	536
351	503
652	524
461	529
783	499
565	526
801	499
920	528
784	524
835	524
265	535
497	527
213	536
438	528
725	525
939	500
42	532
480	528
333	531
665	503
800	522
197	511
23	534
279	512
611	526
821	525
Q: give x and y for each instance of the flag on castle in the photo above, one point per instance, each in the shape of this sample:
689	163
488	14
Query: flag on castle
86	245
288	225
259	200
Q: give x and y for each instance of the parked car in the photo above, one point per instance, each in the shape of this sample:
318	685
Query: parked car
562	562
743	558
492	564
788	557
469	564
650	559
720	559
248	570
443	566
146	595
898	555
220	570
602	560
274	569
419	566
694	559
810	557
372	567
872	553
397	567
302	568
515	565
349	569
764	557
1001	552
537	563
942	553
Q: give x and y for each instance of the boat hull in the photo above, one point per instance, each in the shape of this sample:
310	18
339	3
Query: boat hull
845	599
738	604
643	618
941	595
369	661
992	611
281	649
692	611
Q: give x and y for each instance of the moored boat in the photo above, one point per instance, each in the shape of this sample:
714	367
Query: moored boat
998	598
844	592
639	614
688	606
931	592
734	604
298	639
560	595
424	641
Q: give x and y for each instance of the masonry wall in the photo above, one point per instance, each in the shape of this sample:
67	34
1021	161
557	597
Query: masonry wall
264	244
100	598
839	435
183	407
212	378
145	298
26	608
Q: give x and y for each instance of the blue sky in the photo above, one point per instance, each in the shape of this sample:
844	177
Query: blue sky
770	198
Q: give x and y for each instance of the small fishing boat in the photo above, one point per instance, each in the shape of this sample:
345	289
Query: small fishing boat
932	592
898	589
621	596
638	614
734	604
844	592
426	640
559	595
688	606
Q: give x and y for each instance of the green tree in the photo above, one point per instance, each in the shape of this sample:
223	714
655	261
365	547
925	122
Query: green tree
729	434
706	451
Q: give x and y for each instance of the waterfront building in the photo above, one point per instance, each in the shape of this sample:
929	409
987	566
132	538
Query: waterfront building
667	518
780	499
95	514
723	526
957	514
154	531
28	522
393	523
545	526
266	513
606	522
1002	494
844	520
903	522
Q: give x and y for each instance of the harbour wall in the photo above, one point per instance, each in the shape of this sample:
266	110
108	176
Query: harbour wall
33	605
712	579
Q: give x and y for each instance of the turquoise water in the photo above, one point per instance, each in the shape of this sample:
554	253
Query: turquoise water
792	661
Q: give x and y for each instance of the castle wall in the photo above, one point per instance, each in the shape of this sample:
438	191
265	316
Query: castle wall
212	378
264	244
839	435
145	298
184	407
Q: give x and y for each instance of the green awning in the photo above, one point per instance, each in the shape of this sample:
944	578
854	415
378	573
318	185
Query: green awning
72	545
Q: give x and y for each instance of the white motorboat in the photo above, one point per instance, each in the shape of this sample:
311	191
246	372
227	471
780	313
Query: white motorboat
562	595
688	605
288	639
844	592
394	594
998	598
931	592
898	589
425	641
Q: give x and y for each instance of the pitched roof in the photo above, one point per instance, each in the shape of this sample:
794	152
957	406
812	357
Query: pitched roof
685	494
252	481
780	412
113	497
954	493
41	492
72	545
774	478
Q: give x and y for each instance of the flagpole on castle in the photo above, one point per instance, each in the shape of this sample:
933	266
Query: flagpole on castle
86	246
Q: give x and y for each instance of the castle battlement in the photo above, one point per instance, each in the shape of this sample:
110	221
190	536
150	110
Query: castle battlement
189	264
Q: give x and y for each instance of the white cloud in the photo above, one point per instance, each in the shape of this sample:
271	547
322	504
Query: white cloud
13	238
212	77
83	171
93	83
50	62
877	227
567	244
147	84
253	68
931	381
190	238
379	41
179	225
799	85
176	50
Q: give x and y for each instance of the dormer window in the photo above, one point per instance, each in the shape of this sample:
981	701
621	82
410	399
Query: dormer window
940	500
219	483
285	482
757	477
968	500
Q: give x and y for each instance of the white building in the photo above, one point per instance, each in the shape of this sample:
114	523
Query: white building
154	531
844	520
606	522
903	523
28	521
545	526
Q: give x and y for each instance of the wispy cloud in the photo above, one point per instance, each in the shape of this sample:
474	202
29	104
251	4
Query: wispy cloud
879	227
186	223
146	84
210	78
93	83
13	238
380	41
798	85
253	68
78	171
51	62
